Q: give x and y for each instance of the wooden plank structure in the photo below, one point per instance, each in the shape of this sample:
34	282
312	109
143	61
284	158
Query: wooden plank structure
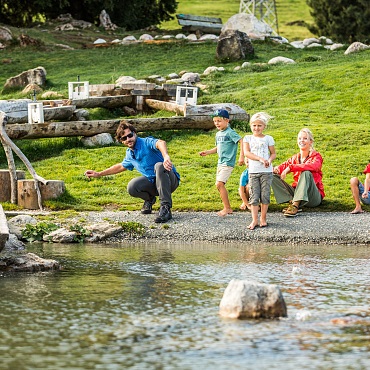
194	23
195	117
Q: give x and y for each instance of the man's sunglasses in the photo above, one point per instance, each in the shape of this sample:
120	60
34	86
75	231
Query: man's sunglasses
129	136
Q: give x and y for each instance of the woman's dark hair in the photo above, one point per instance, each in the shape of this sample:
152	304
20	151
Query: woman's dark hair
123	125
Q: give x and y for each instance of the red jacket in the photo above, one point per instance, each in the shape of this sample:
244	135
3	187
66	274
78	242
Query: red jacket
312	163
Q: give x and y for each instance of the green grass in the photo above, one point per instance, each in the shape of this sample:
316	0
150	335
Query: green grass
290	13
325	91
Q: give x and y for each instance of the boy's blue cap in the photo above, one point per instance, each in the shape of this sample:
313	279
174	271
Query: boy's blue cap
221	113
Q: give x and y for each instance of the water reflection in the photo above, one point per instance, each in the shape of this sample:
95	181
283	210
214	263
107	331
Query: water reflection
156	307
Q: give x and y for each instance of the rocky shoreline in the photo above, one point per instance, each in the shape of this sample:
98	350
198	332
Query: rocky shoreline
190	227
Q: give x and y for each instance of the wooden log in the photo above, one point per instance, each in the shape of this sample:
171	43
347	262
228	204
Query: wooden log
4	229
164	105
6	185
27	195
234	110
9	106
103	101
50	113
90	128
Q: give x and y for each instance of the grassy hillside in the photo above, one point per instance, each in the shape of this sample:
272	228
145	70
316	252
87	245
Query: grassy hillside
325	91
291	14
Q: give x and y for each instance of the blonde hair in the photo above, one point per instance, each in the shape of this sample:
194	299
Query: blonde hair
308	132
261	116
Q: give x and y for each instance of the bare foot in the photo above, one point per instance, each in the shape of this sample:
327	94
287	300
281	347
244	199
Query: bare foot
252	225
263	223
356	211
225	212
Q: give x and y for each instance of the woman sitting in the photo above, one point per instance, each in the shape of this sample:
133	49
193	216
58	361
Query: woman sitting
307	188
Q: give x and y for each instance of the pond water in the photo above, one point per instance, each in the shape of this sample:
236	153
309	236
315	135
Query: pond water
156	307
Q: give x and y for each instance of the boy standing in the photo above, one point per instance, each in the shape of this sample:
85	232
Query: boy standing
227	141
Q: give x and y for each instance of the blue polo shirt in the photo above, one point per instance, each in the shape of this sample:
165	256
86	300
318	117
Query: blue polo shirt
143	158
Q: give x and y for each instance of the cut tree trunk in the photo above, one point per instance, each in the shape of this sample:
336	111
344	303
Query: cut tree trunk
27	194
103	101
6	186
90	128
235	112
164	105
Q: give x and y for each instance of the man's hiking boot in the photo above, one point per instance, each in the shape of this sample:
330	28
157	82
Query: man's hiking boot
164	214
292	211
147	206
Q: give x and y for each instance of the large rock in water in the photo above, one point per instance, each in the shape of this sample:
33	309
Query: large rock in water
28	262
234	45
248	299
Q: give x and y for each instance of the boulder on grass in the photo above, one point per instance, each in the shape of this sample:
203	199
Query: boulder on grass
233	45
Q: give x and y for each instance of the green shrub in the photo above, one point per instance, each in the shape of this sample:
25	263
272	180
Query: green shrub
36	232
343	20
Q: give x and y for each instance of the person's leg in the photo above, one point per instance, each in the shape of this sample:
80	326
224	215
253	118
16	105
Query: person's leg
243	190
166	183
354	182
227	210
223	174
141	187
254	198
283	192
266	180
306	192
244	195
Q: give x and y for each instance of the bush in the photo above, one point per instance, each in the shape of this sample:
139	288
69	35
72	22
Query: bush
343	20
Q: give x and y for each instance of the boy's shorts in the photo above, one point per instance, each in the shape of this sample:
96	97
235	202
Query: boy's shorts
223	173
361	190
244	178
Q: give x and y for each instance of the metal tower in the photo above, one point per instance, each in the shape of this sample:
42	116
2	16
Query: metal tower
264	10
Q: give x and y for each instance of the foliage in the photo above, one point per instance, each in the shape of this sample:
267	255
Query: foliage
132	228
128	14
342	20
36	232
81	233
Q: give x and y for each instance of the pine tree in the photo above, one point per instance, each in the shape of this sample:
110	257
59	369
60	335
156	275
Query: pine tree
343	20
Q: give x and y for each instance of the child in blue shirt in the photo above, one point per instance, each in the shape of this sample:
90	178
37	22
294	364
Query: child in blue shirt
227	141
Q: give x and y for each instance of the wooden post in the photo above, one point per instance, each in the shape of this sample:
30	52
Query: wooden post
6	185
5	139
27	195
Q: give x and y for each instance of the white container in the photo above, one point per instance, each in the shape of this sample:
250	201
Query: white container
186	95
78	90
35	113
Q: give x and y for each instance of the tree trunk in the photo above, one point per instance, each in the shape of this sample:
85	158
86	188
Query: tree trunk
6	186
164	105
27	194
234	110
103	101
90	128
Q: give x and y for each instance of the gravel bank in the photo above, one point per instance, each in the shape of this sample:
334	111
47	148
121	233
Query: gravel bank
307	227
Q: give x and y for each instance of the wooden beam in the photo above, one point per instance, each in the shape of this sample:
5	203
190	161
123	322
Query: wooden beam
165	105
90	128
103	101
235	112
